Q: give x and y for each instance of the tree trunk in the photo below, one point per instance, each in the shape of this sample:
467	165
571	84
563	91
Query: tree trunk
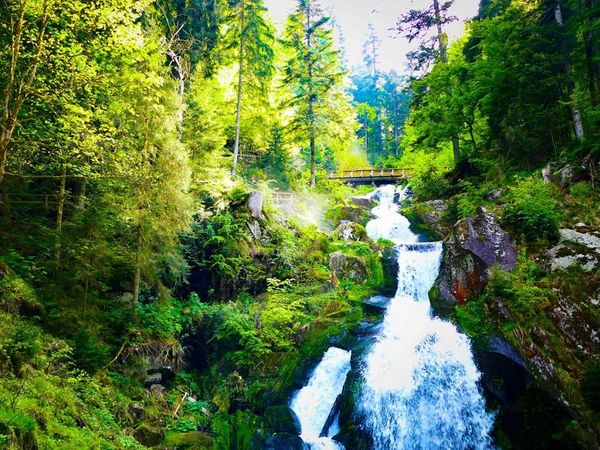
59	214
137	278
575	113
238	118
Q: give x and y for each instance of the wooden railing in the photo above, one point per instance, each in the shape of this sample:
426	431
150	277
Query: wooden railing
371	173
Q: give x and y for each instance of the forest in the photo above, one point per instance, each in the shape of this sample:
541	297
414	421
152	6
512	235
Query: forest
183	255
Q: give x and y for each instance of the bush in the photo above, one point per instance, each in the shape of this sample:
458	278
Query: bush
533	210
430	185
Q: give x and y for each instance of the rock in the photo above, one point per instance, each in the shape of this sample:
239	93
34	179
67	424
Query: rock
389	262
192	440
363	202
255	205
335	410
254	227
159	375
354	214
350	231
137	411
475	245
346	267
376	305
149	436
575	249
283	441
282	419
495	194
429	218
157	391
366	329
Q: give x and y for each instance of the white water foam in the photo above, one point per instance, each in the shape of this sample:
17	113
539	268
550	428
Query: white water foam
314	402
420	386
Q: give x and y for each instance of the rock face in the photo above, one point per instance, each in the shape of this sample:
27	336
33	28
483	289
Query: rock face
475	245
389	262
255	205
346	267
575	249
282	419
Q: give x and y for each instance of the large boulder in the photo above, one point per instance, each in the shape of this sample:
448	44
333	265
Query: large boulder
389	262
475	245
347	267
576	249
282	419
356	214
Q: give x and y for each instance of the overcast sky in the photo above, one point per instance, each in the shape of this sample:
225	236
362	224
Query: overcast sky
353	18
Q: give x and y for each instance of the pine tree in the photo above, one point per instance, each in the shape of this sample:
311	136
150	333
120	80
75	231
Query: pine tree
254	37
312	72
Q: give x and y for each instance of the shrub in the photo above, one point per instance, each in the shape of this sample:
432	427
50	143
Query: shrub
533	209
430	184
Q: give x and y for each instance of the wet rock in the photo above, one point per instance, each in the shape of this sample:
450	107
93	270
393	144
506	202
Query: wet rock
376	305
475	245
363	202
346	267
283	441
282	419
149	436
255	205
366	328
389	262
495	194
575	249
159	375
350	231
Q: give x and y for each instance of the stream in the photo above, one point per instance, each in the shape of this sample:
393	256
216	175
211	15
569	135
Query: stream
419	385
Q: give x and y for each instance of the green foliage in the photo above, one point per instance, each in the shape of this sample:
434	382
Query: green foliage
429	183
88	352
590	385
533	209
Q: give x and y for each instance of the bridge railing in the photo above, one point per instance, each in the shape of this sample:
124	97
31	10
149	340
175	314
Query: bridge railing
372	173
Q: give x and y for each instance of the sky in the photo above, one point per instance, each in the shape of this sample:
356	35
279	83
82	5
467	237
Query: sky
353	17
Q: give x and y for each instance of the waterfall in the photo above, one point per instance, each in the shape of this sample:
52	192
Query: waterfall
313	403
420	386
419	381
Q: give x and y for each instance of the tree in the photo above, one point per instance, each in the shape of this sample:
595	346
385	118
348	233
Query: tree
255	59
417	24
311	73
371	51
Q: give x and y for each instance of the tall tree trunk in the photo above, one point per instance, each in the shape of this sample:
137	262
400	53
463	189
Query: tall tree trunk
575	112
443	43
238	117
137	278
59	214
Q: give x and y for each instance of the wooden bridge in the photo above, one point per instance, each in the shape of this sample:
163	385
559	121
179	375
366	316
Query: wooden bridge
372	176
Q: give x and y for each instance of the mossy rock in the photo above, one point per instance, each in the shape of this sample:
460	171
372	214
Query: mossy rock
148	435
193	440
282	419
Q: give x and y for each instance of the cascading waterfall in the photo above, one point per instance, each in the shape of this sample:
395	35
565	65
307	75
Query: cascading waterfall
314	402
419	387
420	381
